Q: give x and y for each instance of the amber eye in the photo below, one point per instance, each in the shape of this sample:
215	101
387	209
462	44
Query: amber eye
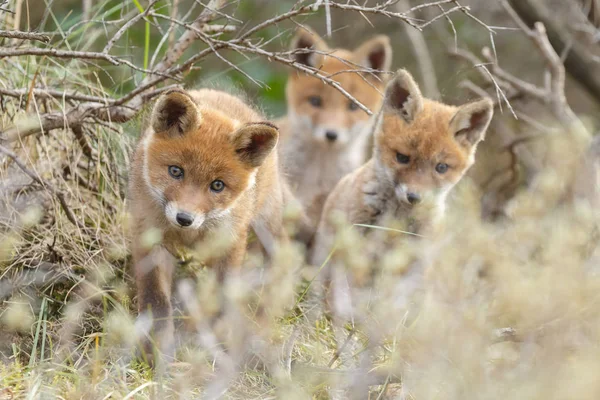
352	106
175	171
441	168
402	158
217	186
315	101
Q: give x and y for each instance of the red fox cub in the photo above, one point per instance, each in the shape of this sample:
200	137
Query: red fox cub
325	135
205	167
422	149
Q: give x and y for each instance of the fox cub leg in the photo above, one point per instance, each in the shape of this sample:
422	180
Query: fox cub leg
154	274
233	258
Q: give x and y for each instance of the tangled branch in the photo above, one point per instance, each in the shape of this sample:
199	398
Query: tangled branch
91	109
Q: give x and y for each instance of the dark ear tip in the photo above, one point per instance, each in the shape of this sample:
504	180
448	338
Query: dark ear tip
304	37
270	127
174	92
266	123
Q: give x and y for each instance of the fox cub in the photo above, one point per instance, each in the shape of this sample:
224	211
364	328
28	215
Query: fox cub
325	135
206	167
422	149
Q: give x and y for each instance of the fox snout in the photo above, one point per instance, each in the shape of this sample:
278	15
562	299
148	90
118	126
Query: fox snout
331	136
413	198
408	195
182	218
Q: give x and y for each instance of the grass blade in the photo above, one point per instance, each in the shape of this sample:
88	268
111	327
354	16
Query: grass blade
147	38
36	338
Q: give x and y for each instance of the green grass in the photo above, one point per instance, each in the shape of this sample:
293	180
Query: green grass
147	35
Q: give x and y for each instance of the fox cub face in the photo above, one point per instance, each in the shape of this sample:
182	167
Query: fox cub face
424	147
320	111
198	162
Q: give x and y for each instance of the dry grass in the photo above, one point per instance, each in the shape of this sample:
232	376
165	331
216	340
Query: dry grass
487	310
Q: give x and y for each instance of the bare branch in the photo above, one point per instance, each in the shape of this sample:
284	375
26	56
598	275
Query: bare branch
128	25
188	37
499	86
95	109
250	48
213	28
56	94
83	55
519	84
556	90
25	36
579	61
424	60
442	15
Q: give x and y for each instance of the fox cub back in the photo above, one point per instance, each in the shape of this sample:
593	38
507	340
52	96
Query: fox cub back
205	170
325	134
422	149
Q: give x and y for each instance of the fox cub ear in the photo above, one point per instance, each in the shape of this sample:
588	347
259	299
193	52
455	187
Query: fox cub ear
375	53
471	121
175	113
402	96
303	42
253	142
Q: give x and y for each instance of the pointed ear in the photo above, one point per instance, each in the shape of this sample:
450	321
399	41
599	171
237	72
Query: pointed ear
254	142
175	113
471	121
375	53
402	96
304	40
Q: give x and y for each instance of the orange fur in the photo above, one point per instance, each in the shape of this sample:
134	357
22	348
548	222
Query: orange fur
313	162
208	135
413	137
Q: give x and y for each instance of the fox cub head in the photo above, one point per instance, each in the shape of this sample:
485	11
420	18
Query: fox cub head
198	162
423	147
320	111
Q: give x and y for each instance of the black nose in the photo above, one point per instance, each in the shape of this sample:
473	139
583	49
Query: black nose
331	136
184	219
413	198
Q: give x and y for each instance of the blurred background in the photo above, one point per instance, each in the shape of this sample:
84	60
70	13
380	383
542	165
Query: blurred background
349	29
65	278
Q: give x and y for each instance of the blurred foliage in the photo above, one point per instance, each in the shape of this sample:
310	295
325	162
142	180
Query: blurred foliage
536	272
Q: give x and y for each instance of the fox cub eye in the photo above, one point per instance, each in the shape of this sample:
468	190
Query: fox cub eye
315	101
402	158
352	106
175	171
441	168
217	186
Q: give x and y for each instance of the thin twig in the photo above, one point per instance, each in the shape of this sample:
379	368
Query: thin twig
554	93
128	25
81	55
40	37
57	94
